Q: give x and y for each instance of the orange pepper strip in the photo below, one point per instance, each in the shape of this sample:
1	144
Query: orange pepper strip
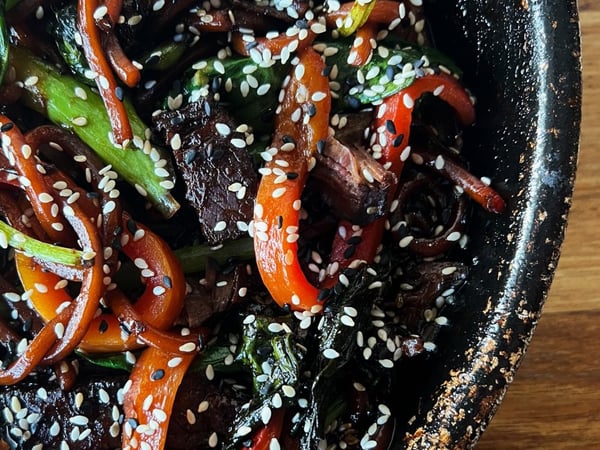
148	401
105	80
301	125
393	127
85	305
159	305
361	50
32	180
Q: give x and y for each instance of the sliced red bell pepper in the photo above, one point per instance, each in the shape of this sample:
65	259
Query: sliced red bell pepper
31	179
301	126
265	435
148	401
105	80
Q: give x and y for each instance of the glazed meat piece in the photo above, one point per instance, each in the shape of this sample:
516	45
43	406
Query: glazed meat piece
210	153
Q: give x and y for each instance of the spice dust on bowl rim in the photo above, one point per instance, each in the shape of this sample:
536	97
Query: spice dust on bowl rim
522	62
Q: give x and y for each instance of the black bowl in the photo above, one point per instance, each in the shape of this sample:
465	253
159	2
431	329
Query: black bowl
522	61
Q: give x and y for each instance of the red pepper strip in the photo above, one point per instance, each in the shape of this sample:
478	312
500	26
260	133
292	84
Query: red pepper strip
277	210
274	45
105	80
95	172
32	180
474	187
113	10
219	22
264	436
127	72
361	50
148	402
392	124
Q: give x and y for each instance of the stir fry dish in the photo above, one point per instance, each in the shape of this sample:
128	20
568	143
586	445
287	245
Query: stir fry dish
225	224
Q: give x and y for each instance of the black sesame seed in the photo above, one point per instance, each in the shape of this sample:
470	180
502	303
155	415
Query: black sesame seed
27	325
312	110
292	175
215	84
217	153
320	145
287	139
177	120
323	294
398	140
354	240
154	58
349	251
131	226
157	374
119	93
103	326
338	288
279	222
326	71
7	126
390	126
301	23
125	328
389	72
353	102
189	156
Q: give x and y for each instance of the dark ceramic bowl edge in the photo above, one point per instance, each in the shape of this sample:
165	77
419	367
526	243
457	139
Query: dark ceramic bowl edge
523	247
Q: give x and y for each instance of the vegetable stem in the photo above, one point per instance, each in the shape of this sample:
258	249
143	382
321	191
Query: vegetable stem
73	105
42	250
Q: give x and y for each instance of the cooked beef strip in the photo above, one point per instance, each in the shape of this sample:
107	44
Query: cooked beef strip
352	182
216	172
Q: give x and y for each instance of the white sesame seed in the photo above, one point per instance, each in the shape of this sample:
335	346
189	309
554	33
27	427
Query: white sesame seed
330	353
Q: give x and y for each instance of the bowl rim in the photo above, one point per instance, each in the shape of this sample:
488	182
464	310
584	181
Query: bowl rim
475	380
